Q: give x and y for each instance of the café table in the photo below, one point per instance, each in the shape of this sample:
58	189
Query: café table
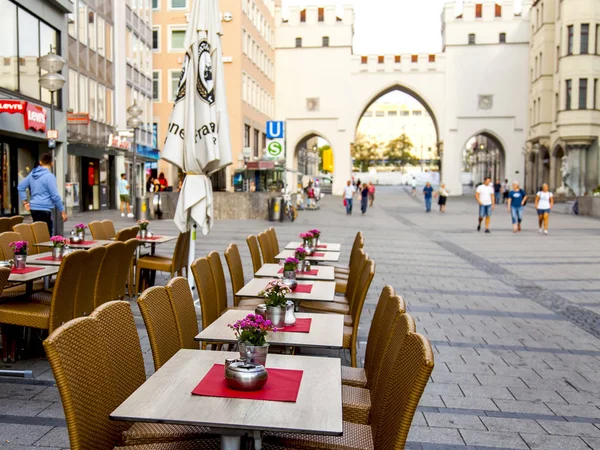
324	247
317	256
323	291
166	397
326	331
43	259
153	242
324	273
87	244
29	277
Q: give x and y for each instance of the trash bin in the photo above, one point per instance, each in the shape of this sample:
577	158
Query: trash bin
156	207
275	207
142	208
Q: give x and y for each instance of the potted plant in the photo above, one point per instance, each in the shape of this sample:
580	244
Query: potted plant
251	335
58	247
143	224
301	254
274	294
290	265
306	241
20	251
316	235
80	231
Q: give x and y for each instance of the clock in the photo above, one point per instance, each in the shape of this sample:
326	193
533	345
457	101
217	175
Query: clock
486	101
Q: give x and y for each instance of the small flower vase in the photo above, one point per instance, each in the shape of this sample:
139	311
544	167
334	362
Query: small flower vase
254	354
307	247
276	314
289	279
144	233
81	234
290	317
57	253
314	242
20	261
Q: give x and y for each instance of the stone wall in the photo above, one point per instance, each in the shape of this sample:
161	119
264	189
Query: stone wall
589	206
241	205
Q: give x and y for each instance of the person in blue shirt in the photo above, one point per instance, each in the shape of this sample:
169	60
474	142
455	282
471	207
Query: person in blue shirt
428	191
44	196
516	203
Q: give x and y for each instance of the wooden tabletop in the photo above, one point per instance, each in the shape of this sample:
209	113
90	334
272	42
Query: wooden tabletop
326	330
161	240
36	259
323	291
94	243
328	247
166	397
30	276
325	273
327	256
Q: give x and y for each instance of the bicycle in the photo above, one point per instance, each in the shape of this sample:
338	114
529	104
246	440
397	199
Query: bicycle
288	208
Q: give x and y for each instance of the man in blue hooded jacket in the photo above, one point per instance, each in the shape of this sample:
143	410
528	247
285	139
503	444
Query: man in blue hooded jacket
43	192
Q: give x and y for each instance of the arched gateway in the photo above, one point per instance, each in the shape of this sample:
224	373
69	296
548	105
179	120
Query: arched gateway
467	88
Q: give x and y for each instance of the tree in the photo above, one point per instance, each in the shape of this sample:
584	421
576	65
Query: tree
398	153
364	151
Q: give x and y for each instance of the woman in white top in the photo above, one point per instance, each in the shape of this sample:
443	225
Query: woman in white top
544	201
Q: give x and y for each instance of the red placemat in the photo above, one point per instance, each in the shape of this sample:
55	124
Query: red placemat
309	272
303	288
318	255
83	243
322	246
282	386
48	258
301	326
25	270
153	238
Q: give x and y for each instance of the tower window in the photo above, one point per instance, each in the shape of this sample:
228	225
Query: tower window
471	38
325	41
502	38
298	42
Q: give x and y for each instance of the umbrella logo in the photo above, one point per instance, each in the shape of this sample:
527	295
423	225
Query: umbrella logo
182	80
205	84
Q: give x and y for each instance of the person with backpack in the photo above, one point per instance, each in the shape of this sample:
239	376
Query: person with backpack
516	203
544	202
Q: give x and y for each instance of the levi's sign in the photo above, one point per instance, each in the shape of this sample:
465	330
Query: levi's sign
34	116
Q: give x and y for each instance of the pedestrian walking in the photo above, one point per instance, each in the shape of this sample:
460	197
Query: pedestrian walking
371	193
44	196
544	202
364	198
505	191
124	196
484	194
516	203
349	191
497	191
442	197
413	185
428	192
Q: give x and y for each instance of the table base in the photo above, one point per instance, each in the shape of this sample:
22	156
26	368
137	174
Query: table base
232	439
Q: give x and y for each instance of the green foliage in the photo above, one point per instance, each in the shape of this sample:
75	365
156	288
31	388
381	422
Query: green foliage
398	153
364	152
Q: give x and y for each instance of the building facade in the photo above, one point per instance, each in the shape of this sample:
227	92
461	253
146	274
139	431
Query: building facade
564	108
249	59
28	30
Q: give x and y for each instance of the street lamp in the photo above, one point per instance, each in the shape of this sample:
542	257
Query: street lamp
133	122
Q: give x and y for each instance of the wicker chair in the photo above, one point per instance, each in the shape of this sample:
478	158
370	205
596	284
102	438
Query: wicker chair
344	271
345	287
97	363
39	313
206	290
254	252
216	267
97	229
40	231
5	224
5	239
16	220
274	241
182	302
6	253
26	232
85	299
124	275
393	408
236	273
109	229
342	278
174	265
266	248
356	401
108	273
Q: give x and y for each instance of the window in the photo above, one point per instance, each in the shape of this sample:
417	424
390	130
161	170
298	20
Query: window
556	104
109	106
502	39
570	40
156	85
557	57
298	42
29	53
380	59
595	93
101	36
82	21
364	59
92	30
109	47
92	110
256	143
471	38
498	12
73	91
379	113
392	113
478	10
404	113
71	24
101	116
156	38
397	59
174	76
83	94
155	4
321	14
568	94
303	15
585	39
178	4
177	39
583	93
246	135
541	65
417	113
368	114
597	39
325	41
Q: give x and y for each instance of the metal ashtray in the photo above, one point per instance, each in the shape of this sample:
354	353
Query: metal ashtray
75	240
243	376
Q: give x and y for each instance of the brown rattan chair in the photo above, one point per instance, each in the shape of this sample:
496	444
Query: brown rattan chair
6	252
16	220
109	229
123	235
123	277
266	248
357	401
274	241
344	271
39	313
174	265
5	224
393	410
236	273
26	232
207	291
97	230
182	302
105	282
85	299
5	239
345	287
97	363
40	231
254	252
216	267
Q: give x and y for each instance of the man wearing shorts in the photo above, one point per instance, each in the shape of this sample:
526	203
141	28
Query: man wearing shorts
484	194
124	196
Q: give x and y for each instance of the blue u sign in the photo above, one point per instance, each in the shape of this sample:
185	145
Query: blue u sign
274	130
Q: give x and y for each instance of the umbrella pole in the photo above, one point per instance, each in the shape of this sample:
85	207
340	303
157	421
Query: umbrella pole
192	256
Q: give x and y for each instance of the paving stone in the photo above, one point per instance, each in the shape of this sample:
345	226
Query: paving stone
570	428
493	439
57	437
575	410
513	425
443	389
594	443
545	442
498	392
435	435
469	403
522	407
497	380
536	395
17	434
454	421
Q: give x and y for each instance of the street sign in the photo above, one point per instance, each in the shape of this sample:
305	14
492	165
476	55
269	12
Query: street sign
52	134
275	130
125	133
275	148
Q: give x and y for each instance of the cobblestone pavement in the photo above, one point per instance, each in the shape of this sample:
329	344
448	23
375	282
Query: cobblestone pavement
513	320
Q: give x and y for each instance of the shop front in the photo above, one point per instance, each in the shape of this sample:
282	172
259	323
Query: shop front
260	176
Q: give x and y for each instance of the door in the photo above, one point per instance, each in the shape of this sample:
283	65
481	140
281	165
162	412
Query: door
18	158
90	188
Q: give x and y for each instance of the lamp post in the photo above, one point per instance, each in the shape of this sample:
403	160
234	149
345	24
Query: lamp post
133	122
52	81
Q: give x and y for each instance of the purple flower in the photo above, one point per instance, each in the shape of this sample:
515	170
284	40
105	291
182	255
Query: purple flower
58	241
306	236
80	227
19	247
316	233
